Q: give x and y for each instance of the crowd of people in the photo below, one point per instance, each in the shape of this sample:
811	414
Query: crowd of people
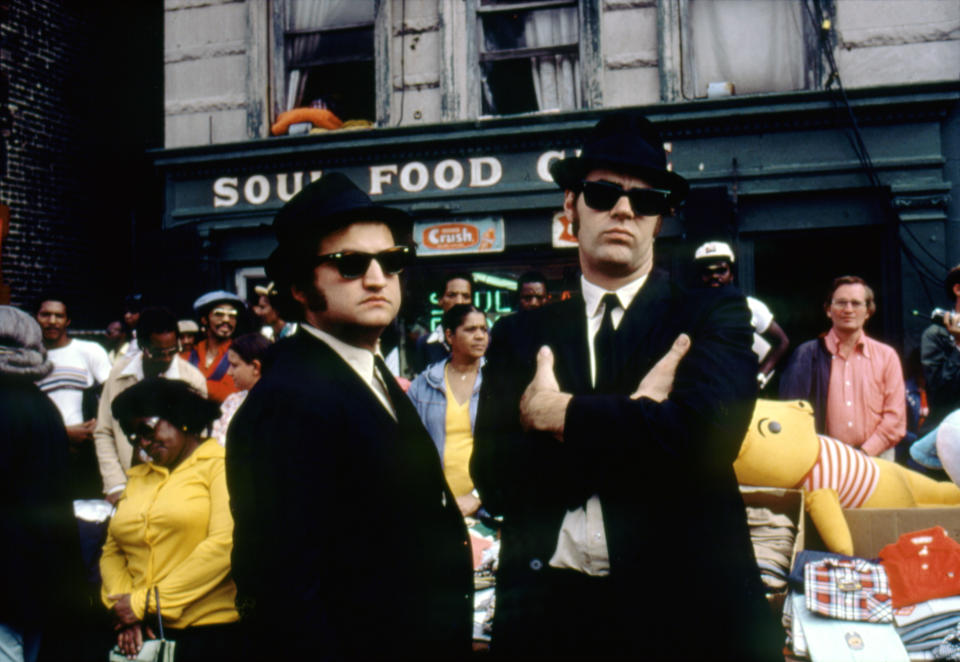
283	491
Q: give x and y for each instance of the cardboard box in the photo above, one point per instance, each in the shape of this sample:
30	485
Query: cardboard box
873	528
782	501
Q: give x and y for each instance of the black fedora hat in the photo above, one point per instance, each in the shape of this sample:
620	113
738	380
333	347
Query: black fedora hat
329	204
321	208
628	143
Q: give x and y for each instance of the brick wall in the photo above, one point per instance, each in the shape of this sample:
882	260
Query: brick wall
72	165
42	44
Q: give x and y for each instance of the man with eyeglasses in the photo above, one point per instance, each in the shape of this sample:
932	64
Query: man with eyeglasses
157	331
854	382
715	260
348	544
605	436
218	312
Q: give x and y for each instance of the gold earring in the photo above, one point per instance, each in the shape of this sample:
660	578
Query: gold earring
184	428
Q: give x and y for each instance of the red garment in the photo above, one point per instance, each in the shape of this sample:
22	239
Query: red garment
218	387
921	566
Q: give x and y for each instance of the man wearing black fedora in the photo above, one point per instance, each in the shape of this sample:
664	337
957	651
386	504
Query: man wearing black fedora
605	436
347	542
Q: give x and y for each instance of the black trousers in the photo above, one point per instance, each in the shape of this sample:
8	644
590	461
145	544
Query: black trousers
208	643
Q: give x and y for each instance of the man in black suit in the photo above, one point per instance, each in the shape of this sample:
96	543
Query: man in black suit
347	542
624	533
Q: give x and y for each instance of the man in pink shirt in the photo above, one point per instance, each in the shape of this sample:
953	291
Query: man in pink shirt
854	382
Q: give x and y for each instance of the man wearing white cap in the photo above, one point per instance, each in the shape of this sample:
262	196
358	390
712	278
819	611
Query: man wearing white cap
218	312
715	262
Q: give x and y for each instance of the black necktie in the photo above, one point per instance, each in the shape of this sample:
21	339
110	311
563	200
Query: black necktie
604	346
389	382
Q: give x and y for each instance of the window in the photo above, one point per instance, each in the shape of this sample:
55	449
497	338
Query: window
327	59
529	56
755	45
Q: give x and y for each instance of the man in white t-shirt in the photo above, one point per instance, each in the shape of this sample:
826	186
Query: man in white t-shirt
715	262
78	365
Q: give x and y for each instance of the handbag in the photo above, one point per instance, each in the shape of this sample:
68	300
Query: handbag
153	650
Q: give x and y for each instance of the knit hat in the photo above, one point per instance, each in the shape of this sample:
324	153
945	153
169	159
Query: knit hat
22	353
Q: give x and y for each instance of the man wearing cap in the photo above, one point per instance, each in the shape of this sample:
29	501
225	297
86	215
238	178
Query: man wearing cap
624	534
187	331
715	261
217	312
347	542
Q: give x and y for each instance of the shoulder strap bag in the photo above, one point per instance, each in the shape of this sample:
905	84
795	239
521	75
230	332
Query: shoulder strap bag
153	650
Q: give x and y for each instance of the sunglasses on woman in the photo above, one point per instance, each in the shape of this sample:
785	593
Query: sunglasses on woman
602	196
354	264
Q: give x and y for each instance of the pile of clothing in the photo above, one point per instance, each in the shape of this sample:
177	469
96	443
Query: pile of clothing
930	630
773	535
905	606
924	571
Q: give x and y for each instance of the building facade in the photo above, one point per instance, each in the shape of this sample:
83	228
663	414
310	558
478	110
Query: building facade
820	136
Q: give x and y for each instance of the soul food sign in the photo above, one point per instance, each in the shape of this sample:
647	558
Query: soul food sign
414	177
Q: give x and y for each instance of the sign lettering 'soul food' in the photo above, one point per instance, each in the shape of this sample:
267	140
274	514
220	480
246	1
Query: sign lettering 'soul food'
413	177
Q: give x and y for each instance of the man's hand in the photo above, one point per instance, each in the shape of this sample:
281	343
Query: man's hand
658	383
952	322
543	406
81	432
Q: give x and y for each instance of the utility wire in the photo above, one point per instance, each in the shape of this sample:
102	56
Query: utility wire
863	154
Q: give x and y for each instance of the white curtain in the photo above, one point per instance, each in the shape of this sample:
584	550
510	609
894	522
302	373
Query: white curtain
316	14
757	45
556	78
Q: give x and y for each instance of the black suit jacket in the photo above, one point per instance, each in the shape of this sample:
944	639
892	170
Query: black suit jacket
683	581
347	542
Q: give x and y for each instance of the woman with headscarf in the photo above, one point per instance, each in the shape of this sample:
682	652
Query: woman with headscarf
39	545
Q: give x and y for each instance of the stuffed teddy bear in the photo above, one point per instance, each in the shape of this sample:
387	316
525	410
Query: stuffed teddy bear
783	449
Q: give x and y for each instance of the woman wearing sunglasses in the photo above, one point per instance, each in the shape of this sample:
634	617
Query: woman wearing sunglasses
446	395
172	529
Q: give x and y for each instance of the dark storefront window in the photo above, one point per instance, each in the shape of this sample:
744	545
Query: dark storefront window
529	56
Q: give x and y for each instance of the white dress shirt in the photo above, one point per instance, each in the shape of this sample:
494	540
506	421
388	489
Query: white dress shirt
582	543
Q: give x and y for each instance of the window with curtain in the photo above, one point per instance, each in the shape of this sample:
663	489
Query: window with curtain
529	56
758	45
328	48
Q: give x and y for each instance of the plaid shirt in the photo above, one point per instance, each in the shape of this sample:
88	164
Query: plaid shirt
854	590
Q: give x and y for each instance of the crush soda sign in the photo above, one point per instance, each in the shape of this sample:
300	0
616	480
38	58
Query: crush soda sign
470	236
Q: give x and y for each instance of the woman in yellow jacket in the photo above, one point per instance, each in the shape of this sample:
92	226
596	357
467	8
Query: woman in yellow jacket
172	529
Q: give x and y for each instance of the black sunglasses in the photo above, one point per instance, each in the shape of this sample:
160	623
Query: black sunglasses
602	196
154	353
353	264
